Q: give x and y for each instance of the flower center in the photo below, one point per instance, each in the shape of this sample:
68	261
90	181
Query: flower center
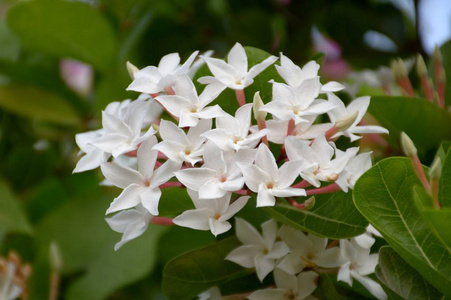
216	216
270	185
187	151
146	183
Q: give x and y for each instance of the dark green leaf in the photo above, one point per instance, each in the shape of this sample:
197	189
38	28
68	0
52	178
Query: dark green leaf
427	124
444	194
174	201
64	28
9	50
326	289
33	102
194	272
400	277
333	216
11	216
384	195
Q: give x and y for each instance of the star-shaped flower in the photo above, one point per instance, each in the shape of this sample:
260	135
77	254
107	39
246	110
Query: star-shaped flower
152	80
211	214
234	73
258	251
140	186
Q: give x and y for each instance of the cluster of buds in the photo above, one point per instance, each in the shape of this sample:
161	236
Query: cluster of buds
222	166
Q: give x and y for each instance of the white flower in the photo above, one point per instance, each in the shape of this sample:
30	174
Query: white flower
367	240
139	186
123	131
353	170
340	112
289	103
266	179
234	73
93	156
317	163
233	133
219	174
179	146
211	294
210	214
359	263
131	223
188	106
289	287
295	76
152	80
307	252
259	251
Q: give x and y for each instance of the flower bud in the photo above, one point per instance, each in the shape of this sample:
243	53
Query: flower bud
407	145
257	103
395	69
437	55
309	203
56	261
402	68
347	122
421	66
436	169
131	69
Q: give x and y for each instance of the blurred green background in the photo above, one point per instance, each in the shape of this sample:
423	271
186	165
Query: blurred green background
62	62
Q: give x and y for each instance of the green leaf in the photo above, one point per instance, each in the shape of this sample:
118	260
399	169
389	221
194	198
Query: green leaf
326	289
194	272
9	50
427	124
384	195
439	220
87	248
333	216
12	217
33	102
444	193
174	201
64	28
401	278
443	150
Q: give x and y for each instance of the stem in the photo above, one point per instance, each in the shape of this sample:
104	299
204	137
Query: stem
418	167
441	93
171	184
240	97
426	88
330	132
434	193
262	125
291	127
154	95
332	244
169	91
331	188
243	192
163	221
300	185
386	89
55	279
296	204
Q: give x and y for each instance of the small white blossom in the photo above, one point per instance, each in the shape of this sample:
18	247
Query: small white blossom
258	251
234	73
353	170
211	214
367	240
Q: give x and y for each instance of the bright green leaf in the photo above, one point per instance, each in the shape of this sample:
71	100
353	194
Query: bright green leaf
427	124
333	216
384	195
87	246
194	272
33	102
401	278
12	217
64	28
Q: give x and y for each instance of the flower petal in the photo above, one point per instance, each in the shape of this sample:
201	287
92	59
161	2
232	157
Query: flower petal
194	218
127	199
120	176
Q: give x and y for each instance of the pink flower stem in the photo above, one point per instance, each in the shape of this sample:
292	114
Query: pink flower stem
441	93
291	127
170	184
418	167
262	125
332	244
330	132
434	193
386	89
161	155
154	95
331	188
303	184
163	221
240	97
243	192
169	91
294	203
426	88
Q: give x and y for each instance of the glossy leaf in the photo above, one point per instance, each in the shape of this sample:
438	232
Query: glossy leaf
427	124
326	289
384	195
33	102
12	217
196	271
401	278
333	216
64	28
87	246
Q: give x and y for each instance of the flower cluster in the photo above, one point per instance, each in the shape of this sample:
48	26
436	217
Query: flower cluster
221	166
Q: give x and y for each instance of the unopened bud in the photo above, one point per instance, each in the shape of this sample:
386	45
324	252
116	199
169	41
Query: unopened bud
309	203
395	68
421	66
407	145
442	75
347	122
56	261
402	68
437	55
131	69
436	169
257	103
